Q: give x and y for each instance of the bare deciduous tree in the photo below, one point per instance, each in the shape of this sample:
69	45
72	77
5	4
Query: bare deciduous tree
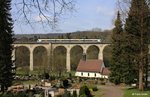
123	7
46	12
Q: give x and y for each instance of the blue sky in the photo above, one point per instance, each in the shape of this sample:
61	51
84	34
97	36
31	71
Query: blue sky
89	14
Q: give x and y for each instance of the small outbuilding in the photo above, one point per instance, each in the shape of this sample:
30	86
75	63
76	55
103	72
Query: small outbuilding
92	69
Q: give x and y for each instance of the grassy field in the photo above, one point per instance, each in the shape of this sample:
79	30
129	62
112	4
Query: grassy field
136	93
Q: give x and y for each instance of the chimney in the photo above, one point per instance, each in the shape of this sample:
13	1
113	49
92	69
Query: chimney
84	56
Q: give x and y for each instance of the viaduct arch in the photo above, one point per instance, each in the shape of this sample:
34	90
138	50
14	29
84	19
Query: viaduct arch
50	47
68	44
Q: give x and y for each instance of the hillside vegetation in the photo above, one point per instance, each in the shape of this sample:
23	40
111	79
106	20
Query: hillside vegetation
105	36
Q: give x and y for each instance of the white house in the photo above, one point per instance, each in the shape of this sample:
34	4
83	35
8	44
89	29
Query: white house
92	69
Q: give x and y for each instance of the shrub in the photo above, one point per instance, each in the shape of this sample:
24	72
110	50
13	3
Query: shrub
102	83
8	94
101	79
67	94
19	94
70	75
95	88
82	90
74	94
83	95
22	94
65	83
85	90
45	75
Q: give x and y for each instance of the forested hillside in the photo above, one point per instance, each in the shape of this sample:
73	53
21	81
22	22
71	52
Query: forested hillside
103	35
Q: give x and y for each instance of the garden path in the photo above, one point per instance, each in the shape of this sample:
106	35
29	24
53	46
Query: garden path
111	91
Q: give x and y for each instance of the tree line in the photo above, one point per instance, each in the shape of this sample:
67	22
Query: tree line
105	36
130	46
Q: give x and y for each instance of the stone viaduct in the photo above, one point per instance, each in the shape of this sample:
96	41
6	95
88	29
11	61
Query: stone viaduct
51	44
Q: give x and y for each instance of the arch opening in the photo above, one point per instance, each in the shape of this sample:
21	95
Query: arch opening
40	59
107	55
59	60
92	52
75	55
22	59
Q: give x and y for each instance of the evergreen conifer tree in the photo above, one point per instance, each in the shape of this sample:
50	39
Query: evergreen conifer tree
116	65
136	31
6	40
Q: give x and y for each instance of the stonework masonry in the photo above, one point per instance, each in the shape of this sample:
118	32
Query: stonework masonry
50	47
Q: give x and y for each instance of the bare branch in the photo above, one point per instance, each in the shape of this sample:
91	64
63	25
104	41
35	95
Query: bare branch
123	7
47	12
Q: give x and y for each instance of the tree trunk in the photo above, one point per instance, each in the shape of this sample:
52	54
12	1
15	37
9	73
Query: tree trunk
141	77
141	65
146	73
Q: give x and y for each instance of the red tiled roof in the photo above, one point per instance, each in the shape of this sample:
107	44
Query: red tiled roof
105	71
90	66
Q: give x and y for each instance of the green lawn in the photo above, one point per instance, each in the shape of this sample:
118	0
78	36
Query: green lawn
30	82
136	93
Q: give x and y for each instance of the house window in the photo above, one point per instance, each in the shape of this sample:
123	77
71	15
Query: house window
82	73
88	74
95	74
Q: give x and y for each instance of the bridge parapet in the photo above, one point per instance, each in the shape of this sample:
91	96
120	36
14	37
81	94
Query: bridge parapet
69	40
